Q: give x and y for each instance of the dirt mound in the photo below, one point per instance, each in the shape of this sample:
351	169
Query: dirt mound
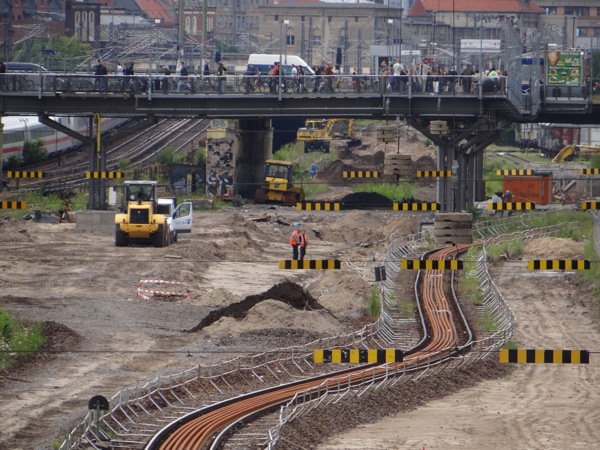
424	163
59	338
366	200
286	292
554	248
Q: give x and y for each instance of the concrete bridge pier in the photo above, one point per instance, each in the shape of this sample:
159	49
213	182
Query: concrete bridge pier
460	143
236	155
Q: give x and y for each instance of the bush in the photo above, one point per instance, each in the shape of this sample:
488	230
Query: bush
34	152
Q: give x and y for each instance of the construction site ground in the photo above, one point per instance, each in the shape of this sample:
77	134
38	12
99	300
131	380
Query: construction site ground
103	337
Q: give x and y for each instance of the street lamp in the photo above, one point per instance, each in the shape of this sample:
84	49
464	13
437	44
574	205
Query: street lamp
390	23
286	22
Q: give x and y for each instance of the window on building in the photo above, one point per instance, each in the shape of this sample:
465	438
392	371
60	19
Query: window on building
356	19
581	31
290	40
329	19
551	10
276	17
577	11
316	40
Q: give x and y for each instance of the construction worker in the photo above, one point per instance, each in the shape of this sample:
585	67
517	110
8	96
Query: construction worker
303	244
295	242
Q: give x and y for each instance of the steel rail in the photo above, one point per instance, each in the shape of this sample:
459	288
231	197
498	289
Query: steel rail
196	430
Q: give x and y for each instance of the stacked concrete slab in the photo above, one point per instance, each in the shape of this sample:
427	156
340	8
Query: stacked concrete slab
453	228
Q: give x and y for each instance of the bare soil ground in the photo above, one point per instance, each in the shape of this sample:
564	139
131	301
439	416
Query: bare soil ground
103	337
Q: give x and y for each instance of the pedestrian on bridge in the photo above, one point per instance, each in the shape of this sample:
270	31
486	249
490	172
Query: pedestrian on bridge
221	78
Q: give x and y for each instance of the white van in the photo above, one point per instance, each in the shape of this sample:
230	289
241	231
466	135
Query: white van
263	61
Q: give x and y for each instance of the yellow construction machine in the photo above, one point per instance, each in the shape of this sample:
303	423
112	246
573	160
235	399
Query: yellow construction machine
277	184
140	220
317	134
569	152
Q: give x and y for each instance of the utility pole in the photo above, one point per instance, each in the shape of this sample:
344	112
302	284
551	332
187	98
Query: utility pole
204	33
181	30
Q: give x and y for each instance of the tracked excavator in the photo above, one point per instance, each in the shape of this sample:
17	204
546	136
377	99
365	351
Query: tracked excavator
317	134
277	185
569	152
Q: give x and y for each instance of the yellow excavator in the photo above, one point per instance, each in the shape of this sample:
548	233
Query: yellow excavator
317	134
277	184
568	152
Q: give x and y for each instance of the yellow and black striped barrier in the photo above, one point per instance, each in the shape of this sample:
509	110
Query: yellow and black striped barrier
515	172
104	174
590	205
511	206
319	206
318	264
360	174
25	174
13	205
413	206
594	171
357	356
431	264
558	264
434	173
525	356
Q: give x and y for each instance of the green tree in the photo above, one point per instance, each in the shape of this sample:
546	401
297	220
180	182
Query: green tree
70	52
595	162
595	65
34	152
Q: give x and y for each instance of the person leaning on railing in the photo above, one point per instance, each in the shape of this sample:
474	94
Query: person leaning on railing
2	74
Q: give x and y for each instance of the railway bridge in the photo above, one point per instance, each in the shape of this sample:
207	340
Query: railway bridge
461	123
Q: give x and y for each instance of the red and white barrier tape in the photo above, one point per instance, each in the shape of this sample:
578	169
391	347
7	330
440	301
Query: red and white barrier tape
140	291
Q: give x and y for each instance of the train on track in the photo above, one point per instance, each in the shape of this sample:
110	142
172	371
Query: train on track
19	129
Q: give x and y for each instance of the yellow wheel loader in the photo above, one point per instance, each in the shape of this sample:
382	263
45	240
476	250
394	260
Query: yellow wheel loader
140	222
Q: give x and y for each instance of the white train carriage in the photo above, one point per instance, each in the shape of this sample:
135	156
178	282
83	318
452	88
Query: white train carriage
19	129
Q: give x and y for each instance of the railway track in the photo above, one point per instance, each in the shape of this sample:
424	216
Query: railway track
212	426
511	157
138	149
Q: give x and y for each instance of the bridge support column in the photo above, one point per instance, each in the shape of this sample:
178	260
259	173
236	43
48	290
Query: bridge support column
97	163
236	153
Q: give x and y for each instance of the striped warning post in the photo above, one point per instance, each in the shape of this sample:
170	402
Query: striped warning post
357	356
319	206
434	173
594	171
558	264
360	174
590	205
511	206
13	205
525	356
431	264
412	206
25	174
104	174
515	172
318	264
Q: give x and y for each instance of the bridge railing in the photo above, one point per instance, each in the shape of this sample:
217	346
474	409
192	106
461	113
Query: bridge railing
414	84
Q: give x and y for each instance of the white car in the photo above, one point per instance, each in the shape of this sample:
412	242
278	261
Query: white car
179	218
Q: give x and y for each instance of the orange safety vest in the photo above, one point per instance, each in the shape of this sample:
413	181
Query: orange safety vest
295	238
303	240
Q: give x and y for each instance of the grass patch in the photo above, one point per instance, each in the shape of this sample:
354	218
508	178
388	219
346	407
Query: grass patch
17	339
374	303
469	285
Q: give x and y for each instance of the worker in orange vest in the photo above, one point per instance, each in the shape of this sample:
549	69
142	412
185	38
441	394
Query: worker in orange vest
295	242
303	244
